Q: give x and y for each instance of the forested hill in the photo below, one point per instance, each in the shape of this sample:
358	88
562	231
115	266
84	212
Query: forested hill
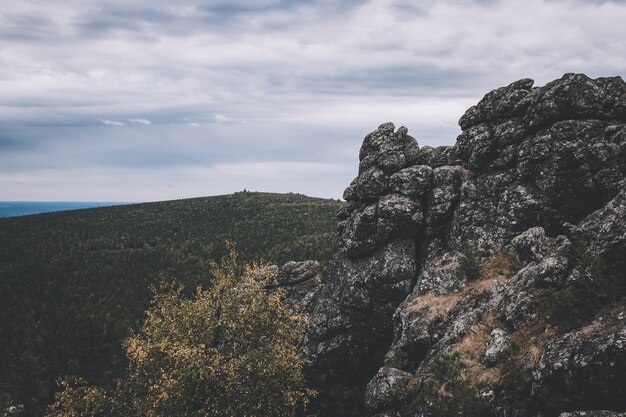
73	283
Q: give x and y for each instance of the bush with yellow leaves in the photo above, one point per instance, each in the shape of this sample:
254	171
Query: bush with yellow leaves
229	350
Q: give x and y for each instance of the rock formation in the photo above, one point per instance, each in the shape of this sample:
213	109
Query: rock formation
477	249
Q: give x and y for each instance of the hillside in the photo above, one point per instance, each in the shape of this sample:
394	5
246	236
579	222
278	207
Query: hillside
73	283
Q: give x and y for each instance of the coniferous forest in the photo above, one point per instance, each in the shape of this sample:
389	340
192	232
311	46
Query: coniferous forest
73	285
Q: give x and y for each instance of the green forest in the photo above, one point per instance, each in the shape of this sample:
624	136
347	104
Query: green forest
74	284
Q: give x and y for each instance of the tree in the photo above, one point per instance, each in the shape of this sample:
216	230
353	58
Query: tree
229	350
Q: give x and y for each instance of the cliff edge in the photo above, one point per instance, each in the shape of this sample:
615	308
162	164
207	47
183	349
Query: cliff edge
484	278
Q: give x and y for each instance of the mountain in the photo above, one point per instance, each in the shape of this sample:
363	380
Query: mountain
484	278
73	284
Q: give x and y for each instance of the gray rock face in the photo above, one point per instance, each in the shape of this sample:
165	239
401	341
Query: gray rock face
505	102
535	171
533	245
386	390
299	281
441	276
351	323
498	342
606	229
584	368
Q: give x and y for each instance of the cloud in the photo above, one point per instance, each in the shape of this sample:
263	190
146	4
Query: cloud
111	122
140	121
225	120
270	79
220	118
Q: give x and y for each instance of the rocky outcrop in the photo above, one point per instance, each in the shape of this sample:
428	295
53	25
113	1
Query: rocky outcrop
578	369
350	326
299	282
466	248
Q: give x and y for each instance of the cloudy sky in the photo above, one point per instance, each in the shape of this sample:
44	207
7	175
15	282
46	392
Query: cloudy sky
142	100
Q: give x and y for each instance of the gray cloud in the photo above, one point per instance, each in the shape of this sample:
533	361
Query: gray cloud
181	89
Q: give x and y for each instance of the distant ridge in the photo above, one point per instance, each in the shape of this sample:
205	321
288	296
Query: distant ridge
27	208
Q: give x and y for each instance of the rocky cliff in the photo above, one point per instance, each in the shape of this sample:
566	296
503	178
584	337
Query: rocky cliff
485	278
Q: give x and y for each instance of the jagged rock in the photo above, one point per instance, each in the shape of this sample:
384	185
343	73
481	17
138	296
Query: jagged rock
441	276
359	235
564	161
535	171
519	306
477	146
445	193
504	102
387	389
584	368
387	150
350	326
347	208
576	96
436	157
368	186
551	270
499	341
532	245
398	217
294	273
606	229
413	181
299	281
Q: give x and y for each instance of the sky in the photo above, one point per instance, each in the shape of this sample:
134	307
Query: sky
137	100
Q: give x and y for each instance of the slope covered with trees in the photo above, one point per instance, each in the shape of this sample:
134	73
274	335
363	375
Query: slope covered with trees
72	284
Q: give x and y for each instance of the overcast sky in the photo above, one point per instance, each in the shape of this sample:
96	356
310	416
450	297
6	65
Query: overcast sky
137	100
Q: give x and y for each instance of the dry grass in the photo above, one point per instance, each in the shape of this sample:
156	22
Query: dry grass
435	305
532	339
500	266
480	286
609	321
472	348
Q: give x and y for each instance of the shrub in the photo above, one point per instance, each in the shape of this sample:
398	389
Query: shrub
578	301
515	378
78	399
229	350
501	265
446	392
469	262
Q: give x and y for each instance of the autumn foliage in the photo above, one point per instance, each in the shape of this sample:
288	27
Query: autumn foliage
229	350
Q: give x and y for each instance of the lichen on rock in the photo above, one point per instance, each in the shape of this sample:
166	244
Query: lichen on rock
535	172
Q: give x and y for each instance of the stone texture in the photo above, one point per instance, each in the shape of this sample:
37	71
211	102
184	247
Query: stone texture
499	341
299	281
584	368
535	172
387	389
